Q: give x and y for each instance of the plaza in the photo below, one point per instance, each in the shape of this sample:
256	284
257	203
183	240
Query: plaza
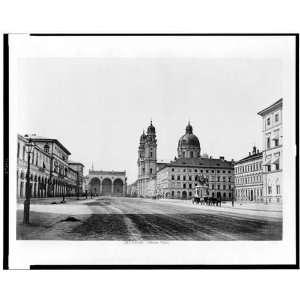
136	219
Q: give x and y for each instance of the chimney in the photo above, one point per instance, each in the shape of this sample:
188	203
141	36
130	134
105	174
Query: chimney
222	157
254	150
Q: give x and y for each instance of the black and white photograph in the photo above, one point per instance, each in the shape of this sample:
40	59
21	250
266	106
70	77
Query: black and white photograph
152	149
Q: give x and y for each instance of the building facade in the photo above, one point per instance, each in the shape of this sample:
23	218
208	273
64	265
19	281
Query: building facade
109	183
178	178
249	177
50	173
78	167
272	136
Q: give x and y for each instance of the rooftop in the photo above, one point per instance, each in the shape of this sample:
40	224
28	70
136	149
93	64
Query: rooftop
273	106
200	162
39	138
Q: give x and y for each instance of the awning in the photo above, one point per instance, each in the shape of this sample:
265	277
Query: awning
275	161
267	163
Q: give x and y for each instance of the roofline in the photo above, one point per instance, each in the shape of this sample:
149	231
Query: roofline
251	157
271	107
51	140
76	163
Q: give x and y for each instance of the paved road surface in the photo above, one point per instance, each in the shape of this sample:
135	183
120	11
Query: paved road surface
136	219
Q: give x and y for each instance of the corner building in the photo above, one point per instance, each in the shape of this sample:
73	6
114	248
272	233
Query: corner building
178	178
272	135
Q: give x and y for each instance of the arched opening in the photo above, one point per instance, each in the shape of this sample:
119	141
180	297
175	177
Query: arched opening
118	187
94	186
184	195
106	186
178	194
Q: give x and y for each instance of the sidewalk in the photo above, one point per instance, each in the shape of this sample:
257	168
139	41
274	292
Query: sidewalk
54	199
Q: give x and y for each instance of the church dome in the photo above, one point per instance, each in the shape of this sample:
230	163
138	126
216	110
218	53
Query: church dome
188	144
151	129
189	139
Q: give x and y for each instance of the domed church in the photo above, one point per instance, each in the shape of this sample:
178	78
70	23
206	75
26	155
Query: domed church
178	178
188	145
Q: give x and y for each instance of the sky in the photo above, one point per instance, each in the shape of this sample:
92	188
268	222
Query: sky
97	107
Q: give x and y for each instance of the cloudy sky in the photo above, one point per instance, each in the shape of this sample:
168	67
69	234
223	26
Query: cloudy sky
98	105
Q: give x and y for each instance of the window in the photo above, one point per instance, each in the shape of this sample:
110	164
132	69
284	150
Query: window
277	189
212	171
190	194
223	171
218	178
18	153
201	171
143	170
183	177
213	186
276	117
190	185
218	171
37	159
173	177
184	185
229	172
269	190
183	154
229	179
218	187
173	170
190	178
207	171
191	154
268	121
224	179
178	177
196	171
46	148
150	154
173	193
150	170
276	142
268	168
277	166
224	187
268	143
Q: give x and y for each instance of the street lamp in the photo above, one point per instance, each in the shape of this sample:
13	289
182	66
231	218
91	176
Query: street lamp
29	148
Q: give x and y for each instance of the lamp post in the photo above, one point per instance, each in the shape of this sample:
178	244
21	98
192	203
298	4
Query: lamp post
29	147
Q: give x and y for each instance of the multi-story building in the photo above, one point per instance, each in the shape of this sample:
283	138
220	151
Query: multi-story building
50	173
78	167
178	178
248	177
272	152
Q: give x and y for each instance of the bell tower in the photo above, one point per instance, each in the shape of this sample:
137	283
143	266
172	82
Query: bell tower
150	152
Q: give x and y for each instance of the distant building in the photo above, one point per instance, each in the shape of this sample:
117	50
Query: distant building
50	172
110	183
132	190
178	178
78	167
272	152
248	177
